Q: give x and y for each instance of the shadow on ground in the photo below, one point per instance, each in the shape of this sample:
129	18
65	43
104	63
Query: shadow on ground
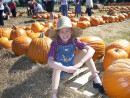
35	86
22	64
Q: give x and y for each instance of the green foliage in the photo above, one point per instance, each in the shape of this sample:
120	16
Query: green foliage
126	0
111	1
22	2
37	1
119	1
17	3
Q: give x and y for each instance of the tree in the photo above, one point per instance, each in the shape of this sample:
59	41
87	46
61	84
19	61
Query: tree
37	1
111	1
126	0
22	2
119	1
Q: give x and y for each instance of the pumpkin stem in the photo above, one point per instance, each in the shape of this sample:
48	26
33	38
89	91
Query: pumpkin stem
41	35
14	27
117	49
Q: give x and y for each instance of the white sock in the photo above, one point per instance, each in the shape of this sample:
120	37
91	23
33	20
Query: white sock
97	78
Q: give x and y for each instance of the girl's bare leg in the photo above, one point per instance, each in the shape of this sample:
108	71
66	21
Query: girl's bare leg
55	82
90	63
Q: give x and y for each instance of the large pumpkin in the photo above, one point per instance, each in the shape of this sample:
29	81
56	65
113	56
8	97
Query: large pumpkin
97	44
116	79
39	48
112	55
20	45
121	44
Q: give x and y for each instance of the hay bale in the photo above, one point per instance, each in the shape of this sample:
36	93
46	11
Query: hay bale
97	6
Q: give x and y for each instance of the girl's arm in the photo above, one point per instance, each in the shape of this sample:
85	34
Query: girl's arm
89	55
57	65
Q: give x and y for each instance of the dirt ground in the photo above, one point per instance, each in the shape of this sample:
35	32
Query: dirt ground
21	78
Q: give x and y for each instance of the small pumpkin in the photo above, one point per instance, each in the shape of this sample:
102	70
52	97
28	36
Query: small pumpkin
84	18
94	21
83	24
3	39
116	79
5	32
34	35
36	27
17	32
7	44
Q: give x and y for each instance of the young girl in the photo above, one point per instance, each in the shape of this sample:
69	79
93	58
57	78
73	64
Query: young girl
61	55
78	8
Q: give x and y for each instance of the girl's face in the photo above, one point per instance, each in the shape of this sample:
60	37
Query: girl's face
65	34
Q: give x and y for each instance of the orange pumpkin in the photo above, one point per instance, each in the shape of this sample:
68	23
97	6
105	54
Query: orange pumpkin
121	17
7	44
97	44
111	19
5	32
20	45
28	32
121	44
17	33
36	27
74	20
116	79
94	21
28	28
44	16
112	55
74	24
83	24
49	24
3	39
84	18
39	48
34	35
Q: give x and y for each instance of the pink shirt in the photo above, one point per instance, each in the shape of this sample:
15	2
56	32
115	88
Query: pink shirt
13	6
52	53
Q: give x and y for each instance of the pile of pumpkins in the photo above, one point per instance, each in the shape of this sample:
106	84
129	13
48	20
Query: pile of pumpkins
116	77
117	8
46	15
86	21
36	44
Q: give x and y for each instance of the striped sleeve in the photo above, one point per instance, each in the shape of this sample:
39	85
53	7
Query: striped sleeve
80	44
52	51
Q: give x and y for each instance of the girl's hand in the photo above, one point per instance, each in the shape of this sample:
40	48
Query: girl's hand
78	65
70	69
